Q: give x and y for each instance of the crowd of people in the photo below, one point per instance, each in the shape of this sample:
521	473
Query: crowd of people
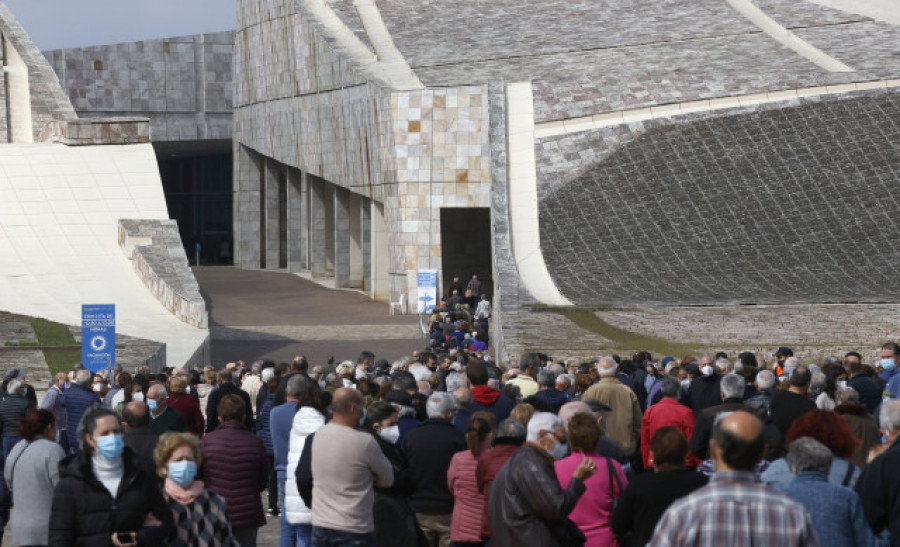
452	448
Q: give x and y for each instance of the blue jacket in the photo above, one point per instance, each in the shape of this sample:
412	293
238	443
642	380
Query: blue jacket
281	418
263	430
74	402
837	513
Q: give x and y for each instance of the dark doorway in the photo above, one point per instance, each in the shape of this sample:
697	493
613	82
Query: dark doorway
198	192
466	246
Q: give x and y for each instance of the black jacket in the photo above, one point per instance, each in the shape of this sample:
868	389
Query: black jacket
429	449
215	397
12	408
646	498
704	392
84	513
879	490
395	520
142	440
787	406
869	392
699	441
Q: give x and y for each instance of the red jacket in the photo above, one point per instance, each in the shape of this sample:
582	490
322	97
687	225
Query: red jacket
489	464
235	467
190	411
666	412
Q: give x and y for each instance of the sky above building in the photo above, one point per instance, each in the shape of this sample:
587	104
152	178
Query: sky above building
54	24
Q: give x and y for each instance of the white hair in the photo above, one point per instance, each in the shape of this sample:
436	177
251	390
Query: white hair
765	379
723	365
14	385
267	374
542	421
420	372
889	416
454	381
439	404
732	386
607	367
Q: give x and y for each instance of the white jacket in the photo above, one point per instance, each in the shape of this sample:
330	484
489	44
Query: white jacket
307	420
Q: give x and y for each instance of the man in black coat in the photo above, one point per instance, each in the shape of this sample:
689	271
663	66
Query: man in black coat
226	387
139	437
879	485
788	405
429	449
869	392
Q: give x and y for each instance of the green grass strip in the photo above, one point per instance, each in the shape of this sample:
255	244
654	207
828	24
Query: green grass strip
61	360
52	334
624	339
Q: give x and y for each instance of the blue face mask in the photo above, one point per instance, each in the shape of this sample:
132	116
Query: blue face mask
110	446
362	419
183	472
888	364
153	405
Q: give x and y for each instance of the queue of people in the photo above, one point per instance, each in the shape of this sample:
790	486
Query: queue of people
446	448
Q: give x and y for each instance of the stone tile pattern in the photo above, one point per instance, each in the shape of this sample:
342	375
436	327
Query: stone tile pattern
869	47
551	333
796	15
3	135
300	102
773	206
89	131
48	100
163	267
813	331
183	84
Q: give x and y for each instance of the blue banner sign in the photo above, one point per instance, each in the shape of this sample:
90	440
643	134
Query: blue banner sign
426	290
98	336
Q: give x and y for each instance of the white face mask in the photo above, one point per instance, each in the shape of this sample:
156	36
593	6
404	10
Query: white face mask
707	370
187	389
139	397
98	387
391	434
841	384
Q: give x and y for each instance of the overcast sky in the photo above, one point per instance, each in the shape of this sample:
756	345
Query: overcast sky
54	24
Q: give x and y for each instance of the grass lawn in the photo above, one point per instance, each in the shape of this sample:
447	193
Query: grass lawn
56	334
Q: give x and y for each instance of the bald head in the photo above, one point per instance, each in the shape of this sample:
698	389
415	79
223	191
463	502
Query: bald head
60	378
345	399
737	443
136	415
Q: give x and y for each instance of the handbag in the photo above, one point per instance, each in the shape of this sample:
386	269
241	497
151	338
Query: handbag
613	477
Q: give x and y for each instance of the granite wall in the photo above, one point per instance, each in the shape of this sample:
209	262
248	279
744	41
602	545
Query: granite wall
183	84
301	102
766	204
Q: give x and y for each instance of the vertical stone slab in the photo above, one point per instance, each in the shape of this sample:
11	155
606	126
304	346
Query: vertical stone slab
295	220
365	236
317	221
341	237
329	228
274	174
248	175
356	259
381	277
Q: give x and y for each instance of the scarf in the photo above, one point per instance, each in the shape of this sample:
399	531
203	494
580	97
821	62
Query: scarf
485	395
183	496
109	473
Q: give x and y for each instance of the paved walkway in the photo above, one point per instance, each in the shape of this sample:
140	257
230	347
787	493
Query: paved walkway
275	315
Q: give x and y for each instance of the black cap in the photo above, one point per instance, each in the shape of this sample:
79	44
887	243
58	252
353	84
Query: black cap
787	352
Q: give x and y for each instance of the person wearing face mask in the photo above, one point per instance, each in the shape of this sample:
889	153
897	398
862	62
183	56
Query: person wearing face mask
75	401
309	417
527	505
199	514
395	520
891	374
104	497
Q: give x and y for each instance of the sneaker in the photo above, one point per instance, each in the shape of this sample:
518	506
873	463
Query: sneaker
272	512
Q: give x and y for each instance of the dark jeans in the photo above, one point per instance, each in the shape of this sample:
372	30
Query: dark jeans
273	483
326	537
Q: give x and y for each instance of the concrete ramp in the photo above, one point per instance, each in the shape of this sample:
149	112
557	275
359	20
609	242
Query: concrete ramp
59	212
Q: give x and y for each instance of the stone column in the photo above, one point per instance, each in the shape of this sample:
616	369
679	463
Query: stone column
341	237
365	237
248	175
304	222
381	279
329	228
295	220
274	174
356	259
317	227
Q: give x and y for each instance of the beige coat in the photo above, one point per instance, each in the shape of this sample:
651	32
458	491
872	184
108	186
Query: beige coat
623	422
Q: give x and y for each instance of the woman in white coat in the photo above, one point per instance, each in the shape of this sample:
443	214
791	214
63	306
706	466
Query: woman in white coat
308	419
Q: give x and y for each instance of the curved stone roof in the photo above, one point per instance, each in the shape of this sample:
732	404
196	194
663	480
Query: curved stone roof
48	100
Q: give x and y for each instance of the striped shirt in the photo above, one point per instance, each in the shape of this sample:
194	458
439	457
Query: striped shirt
735	510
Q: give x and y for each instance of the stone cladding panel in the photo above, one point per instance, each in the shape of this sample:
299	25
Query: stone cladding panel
769	205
